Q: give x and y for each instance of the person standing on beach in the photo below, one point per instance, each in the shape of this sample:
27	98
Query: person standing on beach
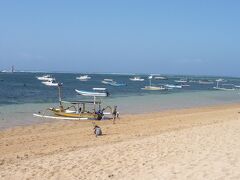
115	114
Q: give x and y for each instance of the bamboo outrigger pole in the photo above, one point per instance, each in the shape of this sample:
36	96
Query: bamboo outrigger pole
59	93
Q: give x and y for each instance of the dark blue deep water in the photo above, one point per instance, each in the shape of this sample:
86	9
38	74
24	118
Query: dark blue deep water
18	88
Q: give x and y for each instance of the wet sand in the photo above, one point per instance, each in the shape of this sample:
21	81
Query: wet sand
197	143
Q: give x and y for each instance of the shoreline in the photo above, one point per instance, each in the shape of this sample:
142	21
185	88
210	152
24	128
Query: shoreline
24	146
9	120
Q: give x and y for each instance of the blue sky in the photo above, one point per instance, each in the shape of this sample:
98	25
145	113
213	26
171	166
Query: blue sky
169	37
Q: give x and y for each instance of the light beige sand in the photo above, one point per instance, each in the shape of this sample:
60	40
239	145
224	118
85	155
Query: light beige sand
200	143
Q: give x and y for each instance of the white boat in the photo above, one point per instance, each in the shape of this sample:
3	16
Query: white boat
205	82
160	78
193	81
107	81
100	89
173	86
224	89
185	85
92	93
45	78
113	83
153	88
136	78
217	87
181	81
50	83
5	71
83	78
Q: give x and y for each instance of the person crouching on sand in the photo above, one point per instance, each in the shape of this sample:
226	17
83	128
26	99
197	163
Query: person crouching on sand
97	131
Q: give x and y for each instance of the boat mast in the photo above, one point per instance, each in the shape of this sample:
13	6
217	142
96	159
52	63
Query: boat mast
150	80
94	102
59	94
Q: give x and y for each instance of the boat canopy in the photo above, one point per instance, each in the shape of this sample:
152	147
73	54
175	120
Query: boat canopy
81	102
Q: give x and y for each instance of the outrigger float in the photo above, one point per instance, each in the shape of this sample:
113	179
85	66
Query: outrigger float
77	110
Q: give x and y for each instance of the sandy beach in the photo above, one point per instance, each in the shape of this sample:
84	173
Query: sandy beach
197	143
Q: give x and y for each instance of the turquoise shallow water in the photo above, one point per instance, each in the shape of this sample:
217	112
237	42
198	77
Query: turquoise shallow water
21	95
21	114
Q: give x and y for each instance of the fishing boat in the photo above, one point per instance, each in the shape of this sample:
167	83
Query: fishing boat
205	82
136	78
217	87
181	81
184	85
50	83
83	78
45	78
173	86
160	78
76	110
108	81
112	82
117	84
103	92
224	89
154	88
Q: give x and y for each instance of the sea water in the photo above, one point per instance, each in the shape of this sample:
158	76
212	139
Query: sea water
21	94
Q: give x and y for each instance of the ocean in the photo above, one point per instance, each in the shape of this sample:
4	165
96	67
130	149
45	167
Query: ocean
22	94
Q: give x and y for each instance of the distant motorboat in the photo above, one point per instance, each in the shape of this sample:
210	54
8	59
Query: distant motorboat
224	89
107	81
117	84
153	88
112	82
181	81
50	83
92	93
185	85
136	78
193	81
45	78
83	78
173	86
205	82
217	87
160	78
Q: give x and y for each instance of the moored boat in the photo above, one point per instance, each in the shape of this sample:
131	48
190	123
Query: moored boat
112	82
181	81
50	83
103	93
45	78
173	86
77	110
154	88
205	82
160	78
83	78
136	78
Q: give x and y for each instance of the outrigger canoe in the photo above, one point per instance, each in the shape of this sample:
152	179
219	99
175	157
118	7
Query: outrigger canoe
78	110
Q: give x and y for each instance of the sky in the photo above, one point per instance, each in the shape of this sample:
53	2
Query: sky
126	36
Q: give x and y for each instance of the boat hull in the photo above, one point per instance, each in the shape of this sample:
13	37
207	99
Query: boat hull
154	88
63	113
